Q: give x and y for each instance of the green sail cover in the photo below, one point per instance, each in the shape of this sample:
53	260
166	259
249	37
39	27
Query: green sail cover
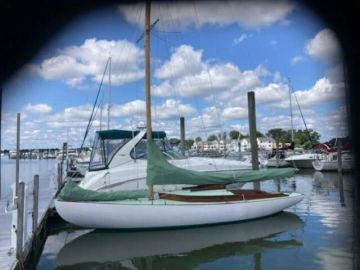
72	192
161	172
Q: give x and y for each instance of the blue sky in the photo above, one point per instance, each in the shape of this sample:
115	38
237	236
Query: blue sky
204	58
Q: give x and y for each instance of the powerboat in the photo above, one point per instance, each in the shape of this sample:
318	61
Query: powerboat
330	162
119	160
303	160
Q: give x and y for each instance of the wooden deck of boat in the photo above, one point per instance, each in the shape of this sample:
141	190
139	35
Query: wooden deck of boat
229	196
46	192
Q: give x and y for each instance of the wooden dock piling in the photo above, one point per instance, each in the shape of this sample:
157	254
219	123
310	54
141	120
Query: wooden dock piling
17	152
182	134
35	212
20	220
59	175
252	129
339	146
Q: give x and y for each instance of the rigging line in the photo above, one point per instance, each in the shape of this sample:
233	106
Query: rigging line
167	42
196	101
143	34
93	109
211	83
302	116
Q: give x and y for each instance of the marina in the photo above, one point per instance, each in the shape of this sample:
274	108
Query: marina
201	162
318	231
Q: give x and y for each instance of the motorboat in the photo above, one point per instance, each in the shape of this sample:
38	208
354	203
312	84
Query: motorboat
119	160
329	162
303	160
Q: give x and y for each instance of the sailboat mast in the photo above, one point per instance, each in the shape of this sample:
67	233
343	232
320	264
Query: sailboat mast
147	81
302	116
147	71
291	114
109	103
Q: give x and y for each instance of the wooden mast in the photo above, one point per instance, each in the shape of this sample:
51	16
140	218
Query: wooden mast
147	80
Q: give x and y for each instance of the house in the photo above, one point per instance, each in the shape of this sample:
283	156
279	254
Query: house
266	143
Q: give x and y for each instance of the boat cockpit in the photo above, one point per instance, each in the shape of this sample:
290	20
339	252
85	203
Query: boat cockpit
114	147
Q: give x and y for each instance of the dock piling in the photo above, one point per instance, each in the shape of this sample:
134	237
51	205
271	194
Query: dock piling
20	220
35	211
17	152
252	129
339	146
59	175
182	134
64	149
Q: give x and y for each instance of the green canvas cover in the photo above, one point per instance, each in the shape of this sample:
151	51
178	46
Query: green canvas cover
72	192
161	172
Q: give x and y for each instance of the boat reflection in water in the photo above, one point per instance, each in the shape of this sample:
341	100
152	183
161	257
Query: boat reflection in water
177	249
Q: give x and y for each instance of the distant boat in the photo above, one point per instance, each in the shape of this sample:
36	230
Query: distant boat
303	161
330	163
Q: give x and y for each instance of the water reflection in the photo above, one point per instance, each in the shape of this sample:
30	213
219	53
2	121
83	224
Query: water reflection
178	249
328	181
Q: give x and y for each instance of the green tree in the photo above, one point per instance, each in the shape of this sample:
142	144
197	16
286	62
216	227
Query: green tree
259	134
189	143
174	141
234	134
198	139
301	138
211	138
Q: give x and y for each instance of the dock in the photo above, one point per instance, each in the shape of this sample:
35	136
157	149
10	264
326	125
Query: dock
47	189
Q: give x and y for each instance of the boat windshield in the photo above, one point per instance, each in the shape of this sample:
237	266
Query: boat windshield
139	151
103	152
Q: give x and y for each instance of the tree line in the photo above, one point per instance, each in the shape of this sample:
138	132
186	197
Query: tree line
302	138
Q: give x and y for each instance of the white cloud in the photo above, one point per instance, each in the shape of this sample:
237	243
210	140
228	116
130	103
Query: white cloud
132	108
170	109
277	77
184	61
202	79
324	46
75	64
297	59
322	92
208	120
180	15
240	39
38	108
335	74
231	113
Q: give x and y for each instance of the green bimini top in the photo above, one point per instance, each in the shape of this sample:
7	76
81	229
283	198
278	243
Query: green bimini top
116	134
161	172
72	192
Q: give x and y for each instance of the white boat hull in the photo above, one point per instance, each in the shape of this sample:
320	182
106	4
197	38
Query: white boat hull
305	164
323	165
140	214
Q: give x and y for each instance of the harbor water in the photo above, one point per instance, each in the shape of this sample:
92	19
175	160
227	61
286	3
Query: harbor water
45	168
315	234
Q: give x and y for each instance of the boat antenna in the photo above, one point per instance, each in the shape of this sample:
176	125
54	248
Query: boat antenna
147	80
302	116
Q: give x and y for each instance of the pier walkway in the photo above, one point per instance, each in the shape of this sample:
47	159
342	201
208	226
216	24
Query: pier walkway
47	190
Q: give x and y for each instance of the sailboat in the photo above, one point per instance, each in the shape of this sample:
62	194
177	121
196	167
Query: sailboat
209	199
